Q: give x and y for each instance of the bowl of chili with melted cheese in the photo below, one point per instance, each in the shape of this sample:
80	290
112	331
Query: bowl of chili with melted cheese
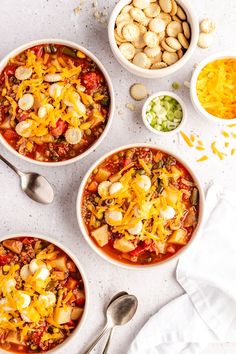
56	102
43	295
139	206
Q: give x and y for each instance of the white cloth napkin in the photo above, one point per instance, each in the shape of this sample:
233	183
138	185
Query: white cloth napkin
207	272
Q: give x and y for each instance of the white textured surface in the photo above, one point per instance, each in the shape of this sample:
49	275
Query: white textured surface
25	20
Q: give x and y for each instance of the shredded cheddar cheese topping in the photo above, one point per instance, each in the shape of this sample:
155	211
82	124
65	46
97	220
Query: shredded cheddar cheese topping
136	204
216	88
30	299
67	99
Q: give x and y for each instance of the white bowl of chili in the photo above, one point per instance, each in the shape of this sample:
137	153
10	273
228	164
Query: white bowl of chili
37	263
56	102
140	207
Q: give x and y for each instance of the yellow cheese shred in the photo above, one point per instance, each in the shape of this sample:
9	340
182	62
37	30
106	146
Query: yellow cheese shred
200	148
203	158
225	134
233	151
215	151
186	139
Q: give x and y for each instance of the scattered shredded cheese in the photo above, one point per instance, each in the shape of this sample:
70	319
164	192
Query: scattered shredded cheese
200	148
215	151
233	151
203	158
225	134
186	139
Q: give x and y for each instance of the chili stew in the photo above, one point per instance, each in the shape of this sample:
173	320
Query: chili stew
140	206
42	295
54	102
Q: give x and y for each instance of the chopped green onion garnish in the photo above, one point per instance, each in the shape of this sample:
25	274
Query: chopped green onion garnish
164	113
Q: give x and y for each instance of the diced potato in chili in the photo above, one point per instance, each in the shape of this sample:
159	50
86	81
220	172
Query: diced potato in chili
102	175
123	245
54	104
101	235
62	315
76	313
140	206
60	263
13	245
178	237
42	291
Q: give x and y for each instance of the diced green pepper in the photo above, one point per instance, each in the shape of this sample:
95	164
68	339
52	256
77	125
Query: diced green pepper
69	52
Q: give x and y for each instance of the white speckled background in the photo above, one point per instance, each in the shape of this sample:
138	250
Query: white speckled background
26	20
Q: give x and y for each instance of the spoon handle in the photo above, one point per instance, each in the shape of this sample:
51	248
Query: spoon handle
97	339
11	166
105	350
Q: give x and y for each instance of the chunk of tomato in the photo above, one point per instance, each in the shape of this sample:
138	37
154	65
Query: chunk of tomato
36	337
21	117
10	134
5	259
127	161
10	69
71	323
60	129
38	49
140	249
92	80
93	187
71	283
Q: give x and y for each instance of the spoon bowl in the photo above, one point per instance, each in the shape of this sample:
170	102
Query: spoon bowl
122	310
116	296
37	188
34	185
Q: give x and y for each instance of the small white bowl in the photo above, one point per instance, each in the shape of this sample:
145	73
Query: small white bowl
178	99
193	92
73	336
149	73
104	255
23	47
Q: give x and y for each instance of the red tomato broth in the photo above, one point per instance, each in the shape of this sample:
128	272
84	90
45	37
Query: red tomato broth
46	142
146	250
19	252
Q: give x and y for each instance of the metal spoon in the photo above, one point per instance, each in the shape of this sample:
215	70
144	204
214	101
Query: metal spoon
33	184
107	345
118	313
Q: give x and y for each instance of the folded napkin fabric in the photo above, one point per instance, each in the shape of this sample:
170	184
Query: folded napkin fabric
206	313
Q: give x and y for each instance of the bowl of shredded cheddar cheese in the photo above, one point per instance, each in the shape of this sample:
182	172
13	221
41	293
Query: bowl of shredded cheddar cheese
213	88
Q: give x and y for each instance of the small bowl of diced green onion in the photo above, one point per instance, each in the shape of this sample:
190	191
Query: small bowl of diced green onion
164	113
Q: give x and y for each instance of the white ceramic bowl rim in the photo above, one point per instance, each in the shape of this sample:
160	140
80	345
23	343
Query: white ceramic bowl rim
187	6
98	250
57	349
178	99
23	47
193	91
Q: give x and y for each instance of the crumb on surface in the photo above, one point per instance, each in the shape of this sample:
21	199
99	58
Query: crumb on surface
187	84
130	106
176	85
